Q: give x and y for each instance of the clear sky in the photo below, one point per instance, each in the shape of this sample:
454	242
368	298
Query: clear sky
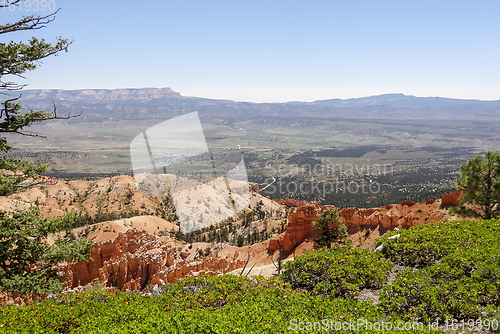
274	50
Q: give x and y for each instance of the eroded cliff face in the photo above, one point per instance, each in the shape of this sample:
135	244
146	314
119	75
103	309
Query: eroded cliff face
302	214
135	259
299	226
401	215
128	256
451	199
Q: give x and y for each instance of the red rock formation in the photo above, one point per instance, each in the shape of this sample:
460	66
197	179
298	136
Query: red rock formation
404	215
7	298
451	199
209	265
135	259
299	226
293	203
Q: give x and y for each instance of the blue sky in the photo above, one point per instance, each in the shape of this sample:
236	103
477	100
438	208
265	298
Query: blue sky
267	51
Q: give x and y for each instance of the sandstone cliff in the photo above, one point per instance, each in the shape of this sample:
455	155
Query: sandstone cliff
135	259
451	199
103	94
382	219
128	255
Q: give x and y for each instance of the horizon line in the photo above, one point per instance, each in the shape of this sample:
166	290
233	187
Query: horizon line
247	101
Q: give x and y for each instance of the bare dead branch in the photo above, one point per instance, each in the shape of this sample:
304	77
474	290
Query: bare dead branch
244	267
10	3
28	121
33	184
28	134
248	273
62	117
10	86
280	259
29	23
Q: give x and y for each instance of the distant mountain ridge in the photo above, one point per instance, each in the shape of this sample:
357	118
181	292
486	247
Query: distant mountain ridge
394	100
402	101
166	103
101	94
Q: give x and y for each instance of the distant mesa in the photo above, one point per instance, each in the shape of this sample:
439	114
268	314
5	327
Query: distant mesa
102	94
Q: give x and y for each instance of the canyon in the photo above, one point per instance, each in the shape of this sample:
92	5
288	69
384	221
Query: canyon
130	254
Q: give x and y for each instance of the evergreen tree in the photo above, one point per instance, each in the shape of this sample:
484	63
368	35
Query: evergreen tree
240	241
330	235
16	58
26	261
480	181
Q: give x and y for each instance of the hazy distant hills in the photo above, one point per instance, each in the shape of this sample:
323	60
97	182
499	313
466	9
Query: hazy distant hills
403	125
100	94
164	103
405	101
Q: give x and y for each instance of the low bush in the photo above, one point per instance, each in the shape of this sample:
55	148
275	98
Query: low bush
221	304
459	275
340	271
426	244
454	273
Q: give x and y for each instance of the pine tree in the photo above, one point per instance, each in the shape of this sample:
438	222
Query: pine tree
240	241
330	235
480	181
26	261
16	58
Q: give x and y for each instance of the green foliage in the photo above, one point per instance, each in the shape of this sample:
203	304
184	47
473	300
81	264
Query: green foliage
26	261
460	273
16	58
329	235
480	181
18	175
426	244
458	279
15	120
340	271
221	304
493	313
240	241
15	174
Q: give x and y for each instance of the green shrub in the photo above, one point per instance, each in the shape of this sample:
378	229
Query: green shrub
329	235
492	314
460	273
416	295
221	304
337	272
426	244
